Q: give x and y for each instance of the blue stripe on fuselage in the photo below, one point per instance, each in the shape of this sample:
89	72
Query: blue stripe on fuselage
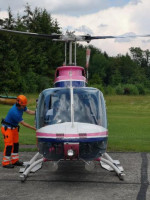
67	84
72	140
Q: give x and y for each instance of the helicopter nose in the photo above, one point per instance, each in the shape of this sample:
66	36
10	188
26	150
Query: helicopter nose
64	132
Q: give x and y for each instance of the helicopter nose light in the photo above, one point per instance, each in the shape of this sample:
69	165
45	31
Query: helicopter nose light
70	152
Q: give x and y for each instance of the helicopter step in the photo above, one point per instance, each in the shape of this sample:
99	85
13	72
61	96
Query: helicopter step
112	165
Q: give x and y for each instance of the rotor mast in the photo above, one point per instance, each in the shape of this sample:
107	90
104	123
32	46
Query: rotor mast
70	53
70	40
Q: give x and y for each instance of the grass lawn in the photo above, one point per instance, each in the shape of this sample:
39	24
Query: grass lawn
128	123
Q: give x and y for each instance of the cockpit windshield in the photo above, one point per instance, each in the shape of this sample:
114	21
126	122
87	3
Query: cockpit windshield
54	106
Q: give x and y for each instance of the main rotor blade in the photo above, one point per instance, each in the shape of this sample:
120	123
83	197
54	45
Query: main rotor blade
70	36
88	37
52	36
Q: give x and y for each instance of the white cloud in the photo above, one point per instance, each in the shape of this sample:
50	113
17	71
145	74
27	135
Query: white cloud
132	18
145	41
84	29
3	14
71	7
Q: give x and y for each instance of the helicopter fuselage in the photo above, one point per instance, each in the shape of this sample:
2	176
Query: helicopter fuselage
71	118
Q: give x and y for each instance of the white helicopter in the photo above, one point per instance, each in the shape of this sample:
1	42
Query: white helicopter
71	119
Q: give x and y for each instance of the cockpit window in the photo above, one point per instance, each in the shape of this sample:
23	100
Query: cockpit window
85	104
55	107
59	108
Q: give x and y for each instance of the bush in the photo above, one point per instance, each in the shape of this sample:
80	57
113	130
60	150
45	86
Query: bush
109	90
119	89
127	89
130	89
147	91
141	89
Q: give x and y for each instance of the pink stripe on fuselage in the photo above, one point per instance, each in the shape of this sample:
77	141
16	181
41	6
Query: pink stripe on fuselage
54	135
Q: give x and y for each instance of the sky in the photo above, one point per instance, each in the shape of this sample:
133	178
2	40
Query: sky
97	18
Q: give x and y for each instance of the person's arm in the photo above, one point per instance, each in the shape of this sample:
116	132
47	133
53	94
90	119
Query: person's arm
30	112
27	125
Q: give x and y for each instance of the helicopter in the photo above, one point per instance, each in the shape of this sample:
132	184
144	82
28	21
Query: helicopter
71	118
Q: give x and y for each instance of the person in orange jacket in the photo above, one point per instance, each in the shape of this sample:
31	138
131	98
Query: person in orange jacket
10	132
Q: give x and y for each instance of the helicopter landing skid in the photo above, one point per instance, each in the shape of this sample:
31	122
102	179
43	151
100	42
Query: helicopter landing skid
112	165
107	163
32	166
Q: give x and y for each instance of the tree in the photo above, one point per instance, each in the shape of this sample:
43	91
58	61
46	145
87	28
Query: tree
9	22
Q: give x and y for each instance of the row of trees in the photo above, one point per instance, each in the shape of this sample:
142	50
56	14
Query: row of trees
28	64
122	72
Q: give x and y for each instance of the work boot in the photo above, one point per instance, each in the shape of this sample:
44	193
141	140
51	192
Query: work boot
10	166
18	163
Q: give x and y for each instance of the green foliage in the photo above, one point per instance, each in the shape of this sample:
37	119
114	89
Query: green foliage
109	90
130	89
28	64
119	90
96	79
116	77
141	89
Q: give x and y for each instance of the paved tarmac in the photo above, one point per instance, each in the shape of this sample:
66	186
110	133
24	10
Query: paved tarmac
72	182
